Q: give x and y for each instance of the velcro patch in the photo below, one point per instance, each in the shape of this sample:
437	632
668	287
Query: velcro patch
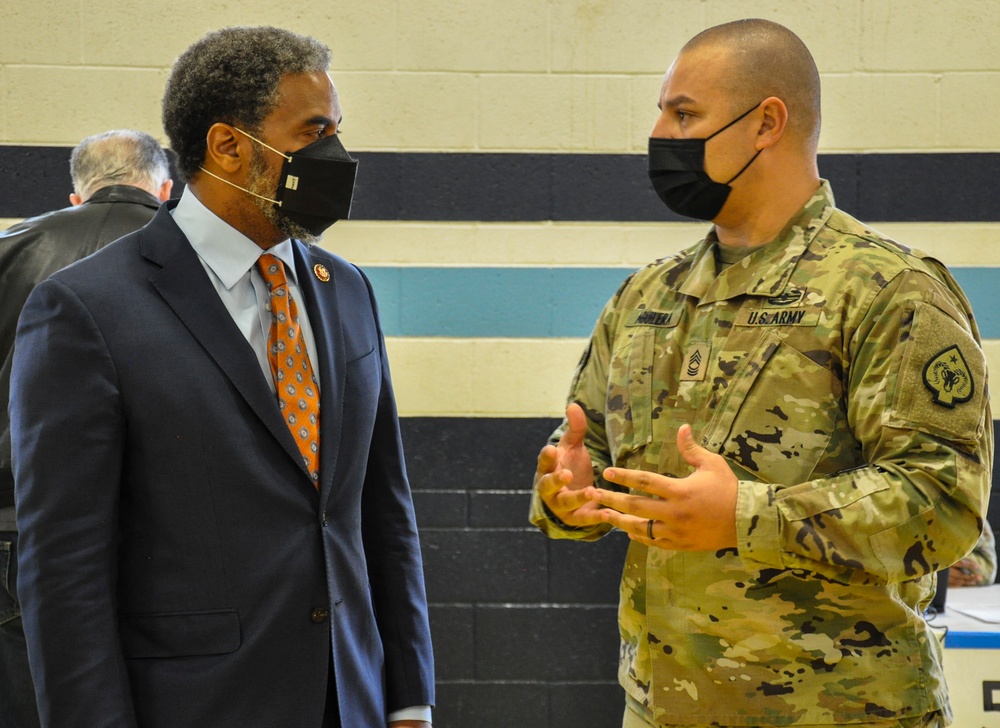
649	317
942	378
778	317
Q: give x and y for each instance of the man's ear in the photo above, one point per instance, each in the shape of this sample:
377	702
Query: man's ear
75	200
774	122
225	149
164	192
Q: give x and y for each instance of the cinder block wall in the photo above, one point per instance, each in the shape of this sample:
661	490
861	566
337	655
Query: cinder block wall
501	199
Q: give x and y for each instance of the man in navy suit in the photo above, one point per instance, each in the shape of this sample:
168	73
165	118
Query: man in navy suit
195	550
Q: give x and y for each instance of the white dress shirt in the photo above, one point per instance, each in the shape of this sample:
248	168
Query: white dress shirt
230	260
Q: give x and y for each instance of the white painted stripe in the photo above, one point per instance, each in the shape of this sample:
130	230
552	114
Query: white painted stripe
482	377
629	244
600	244
506	377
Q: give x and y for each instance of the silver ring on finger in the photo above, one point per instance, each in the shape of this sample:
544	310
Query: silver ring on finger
649	530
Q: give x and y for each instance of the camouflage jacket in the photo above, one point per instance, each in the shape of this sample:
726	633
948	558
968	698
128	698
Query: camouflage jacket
841	376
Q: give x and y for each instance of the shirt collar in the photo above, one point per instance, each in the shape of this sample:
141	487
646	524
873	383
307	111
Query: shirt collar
766	271
224	249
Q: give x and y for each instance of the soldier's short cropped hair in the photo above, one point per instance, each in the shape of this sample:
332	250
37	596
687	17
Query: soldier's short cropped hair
118	157
768	59
231	76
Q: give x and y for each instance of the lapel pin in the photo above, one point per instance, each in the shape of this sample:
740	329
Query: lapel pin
321	272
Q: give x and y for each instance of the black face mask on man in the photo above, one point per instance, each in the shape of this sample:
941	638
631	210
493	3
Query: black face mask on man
316	184
677	171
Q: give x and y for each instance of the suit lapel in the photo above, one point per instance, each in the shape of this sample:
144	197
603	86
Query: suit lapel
325	318
186	288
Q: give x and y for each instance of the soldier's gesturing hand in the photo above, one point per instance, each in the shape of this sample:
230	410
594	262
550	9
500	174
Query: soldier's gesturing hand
565	474
696	513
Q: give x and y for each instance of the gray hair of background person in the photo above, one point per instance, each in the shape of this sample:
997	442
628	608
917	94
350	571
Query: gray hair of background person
231	76
118	157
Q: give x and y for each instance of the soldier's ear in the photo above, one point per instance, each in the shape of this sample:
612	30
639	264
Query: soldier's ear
774	121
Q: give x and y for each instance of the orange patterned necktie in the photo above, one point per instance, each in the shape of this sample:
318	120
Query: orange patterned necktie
298	391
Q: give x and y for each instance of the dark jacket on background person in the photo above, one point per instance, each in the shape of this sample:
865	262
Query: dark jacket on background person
34	249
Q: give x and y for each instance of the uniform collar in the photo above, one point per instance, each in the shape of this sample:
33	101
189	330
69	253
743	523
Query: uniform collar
765	272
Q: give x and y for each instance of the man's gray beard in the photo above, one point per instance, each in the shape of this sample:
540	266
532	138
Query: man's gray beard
259	184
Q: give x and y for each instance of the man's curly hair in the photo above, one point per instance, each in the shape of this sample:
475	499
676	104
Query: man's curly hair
231	76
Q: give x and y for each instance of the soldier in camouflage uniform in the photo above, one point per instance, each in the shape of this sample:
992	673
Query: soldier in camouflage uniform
789	419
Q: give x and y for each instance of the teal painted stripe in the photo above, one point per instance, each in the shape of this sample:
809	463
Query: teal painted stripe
547	302
972	640
492	302
981	286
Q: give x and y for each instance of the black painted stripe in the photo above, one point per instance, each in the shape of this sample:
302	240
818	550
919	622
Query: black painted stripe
905	187
463	470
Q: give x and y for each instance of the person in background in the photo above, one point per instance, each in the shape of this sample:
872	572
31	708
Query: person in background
789	419
119	178
216	526
979	568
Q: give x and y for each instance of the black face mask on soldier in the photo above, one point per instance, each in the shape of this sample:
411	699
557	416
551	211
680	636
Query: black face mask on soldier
677	171
316	185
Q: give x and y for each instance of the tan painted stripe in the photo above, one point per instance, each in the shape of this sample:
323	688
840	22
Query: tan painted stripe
595	244
505	377
600	244
482	377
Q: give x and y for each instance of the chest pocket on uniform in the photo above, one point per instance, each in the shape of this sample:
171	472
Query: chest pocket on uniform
629	390
778	414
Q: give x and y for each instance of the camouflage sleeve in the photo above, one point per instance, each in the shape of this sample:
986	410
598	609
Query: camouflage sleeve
589	390
918	407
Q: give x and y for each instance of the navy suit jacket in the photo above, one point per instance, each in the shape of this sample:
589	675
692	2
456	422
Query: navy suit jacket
177	566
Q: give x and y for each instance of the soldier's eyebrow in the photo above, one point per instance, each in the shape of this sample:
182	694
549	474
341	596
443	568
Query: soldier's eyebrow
675	102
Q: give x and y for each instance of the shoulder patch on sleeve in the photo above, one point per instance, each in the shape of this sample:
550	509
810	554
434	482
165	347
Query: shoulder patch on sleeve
948	377
942	378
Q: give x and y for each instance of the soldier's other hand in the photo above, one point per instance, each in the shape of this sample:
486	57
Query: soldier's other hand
565	474
695	513
965	572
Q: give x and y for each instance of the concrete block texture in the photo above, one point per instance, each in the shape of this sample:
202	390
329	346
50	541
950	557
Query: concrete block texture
437	35
39	31
880	112
562	75
453	631
61	105
499	704
543	642
415	111
484	565
626	36
505	704
931	36
960	129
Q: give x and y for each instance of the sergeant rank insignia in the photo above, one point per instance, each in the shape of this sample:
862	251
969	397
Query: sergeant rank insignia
695	362
947	376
